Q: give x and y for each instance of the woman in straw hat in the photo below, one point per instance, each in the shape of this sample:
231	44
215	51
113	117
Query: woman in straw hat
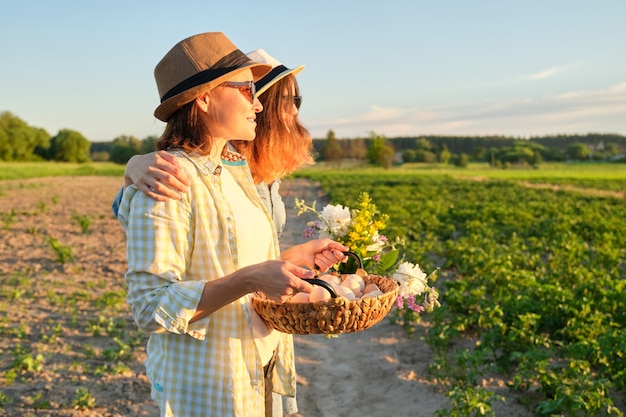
282	145
194	262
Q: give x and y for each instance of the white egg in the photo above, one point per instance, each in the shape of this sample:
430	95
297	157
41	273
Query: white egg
374	293
331	279
345	292
354	284
301	297
370	288
358	279
361	272
319	294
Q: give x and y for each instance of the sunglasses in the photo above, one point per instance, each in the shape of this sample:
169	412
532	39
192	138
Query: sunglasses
297	101
246	88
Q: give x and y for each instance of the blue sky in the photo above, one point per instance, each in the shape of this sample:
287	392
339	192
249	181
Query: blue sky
397	68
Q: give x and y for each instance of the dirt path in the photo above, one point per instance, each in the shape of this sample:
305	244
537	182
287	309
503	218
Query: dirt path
374	373
377	372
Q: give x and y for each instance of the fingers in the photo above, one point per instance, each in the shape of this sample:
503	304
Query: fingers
283	284
337	246
159	176
165	185
172	173
158	191
327	258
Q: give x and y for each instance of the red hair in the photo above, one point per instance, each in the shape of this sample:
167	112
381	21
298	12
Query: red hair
282	144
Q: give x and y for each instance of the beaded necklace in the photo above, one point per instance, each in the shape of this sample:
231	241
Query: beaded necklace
232	156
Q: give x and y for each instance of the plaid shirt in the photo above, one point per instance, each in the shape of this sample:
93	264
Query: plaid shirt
210	367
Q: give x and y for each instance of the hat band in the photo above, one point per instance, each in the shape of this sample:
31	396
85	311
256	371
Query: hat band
270	76
234	60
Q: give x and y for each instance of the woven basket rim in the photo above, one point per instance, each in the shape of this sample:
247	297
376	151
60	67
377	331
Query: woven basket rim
330	316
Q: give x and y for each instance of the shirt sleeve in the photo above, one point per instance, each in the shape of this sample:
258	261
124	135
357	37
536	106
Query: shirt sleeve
159	243
279	215
116	201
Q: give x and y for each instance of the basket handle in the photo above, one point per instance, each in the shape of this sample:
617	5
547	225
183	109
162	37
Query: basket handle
352	255
356	257
322	283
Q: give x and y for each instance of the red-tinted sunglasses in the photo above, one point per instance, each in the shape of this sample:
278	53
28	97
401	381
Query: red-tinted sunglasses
246	88
297	100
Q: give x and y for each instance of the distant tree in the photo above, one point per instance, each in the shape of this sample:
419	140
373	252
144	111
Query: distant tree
69	146
100	156
357	149
610	150
520	152
578	151
444	155
423	155
332	151
461	160
423	144
148	144
409	155
380	152
123	148
19	141
480	154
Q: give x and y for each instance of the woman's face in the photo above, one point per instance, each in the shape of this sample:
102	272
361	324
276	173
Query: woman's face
232	115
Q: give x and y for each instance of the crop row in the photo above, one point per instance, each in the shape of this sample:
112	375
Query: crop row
535	276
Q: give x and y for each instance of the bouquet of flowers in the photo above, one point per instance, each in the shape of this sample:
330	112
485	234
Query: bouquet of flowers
359	229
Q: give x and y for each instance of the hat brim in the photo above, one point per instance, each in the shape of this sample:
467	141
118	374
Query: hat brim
169	106
279	77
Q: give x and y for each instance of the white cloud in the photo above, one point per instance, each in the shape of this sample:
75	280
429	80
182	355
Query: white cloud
572	112
545	73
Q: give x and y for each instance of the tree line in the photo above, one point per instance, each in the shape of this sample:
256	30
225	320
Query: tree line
499	151
22	142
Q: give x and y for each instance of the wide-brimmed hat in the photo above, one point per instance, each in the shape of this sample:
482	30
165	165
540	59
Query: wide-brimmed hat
278	71
196	65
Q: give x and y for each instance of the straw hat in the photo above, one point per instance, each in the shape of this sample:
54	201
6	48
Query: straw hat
198	64
278	71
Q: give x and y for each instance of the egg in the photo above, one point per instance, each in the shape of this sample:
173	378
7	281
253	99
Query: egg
331	279
319	294
345	292
374	293
361	272
358	279
355	283
301	297
370	288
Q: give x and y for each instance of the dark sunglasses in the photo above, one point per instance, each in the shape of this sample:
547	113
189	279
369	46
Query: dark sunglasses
297	101
246	88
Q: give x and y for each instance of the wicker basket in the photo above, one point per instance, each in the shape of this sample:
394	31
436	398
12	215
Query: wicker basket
335	316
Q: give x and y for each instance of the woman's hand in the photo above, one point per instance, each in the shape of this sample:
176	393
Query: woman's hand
278	280
322	253
156	174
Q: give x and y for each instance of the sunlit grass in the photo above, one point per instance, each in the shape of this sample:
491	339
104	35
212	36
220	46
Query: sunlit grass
552	170
589	171
24	170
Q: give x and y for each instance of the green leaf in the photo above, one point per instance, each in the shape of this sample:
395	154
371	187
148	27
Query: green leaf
388	260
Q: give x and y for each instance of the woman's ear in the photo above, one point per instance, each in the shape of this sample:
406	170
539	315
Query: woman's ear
203	102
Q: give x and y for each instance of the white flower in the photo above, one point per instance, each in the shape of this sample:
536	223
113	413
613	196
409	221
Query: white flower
379	243
411	278
336	221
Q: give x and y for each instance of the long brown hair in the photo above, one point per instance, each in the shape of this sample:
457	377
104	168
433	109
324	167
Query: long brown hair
187	130
282	144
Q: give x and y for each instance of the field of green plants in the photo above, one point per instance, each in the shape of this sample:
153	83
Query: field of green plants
533	270
532	274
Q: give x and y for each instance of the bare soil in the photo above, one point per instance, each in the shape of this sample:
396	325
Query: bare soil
71	312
